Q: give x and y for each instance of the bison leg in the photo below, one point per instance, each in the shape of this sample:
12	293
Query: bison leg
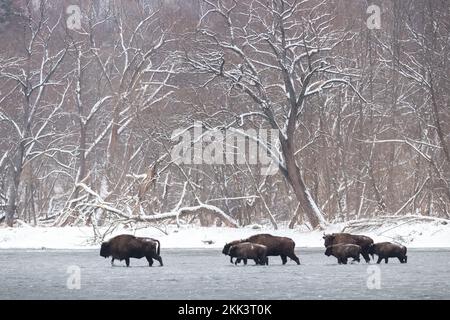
112	262
339	260
283	258
231	259
379	259
245	261
237	261
386	260
150	261
159	259
366	256
356	258
127	261
263	261
344	260
294	257
405	259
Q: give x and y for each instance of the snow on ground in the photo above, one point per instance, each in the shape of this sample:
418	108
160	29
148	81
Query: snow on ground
414	235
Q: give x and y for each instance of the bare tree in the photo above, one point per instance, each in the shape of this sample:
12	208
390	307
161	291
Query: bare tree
87	114
279	54
33	77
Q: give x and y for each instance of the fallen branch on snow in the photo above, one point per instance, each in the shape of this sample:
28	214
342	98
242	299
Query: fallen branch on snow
177	213
391	221
202	208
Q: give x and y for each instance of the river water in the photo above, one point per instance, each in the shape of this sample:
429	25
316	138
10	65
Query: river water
207	274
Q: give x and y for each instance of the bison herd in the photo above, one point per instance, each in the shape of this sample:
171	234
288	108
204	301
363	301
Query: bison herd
259	247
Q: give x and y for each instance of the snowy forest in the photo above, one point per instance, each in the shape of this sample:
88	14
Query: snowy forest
91	93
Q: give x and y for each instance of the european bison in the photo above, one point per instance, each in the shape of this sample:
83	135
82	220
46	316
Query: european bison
386	250
344	251
125	246
276	246
248	250
226	248
347	238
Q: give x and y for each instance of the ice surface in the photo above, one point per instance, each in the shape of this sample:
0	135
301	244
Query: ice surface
208	274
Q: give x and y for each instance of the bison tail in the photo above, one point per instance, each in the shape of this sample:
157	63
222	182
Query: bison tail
159	247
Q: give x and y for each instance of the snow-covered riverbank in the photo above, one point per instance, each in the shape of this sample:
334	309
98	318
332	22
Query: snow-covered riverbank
419	234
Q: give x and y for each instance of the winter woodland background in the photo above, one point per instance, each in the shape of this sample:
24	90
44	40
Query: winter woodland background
86	115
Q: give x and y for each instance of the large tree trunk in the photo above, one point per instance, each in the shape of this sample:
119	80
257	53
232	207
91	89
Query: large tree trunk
81	160
302	193
18	166
14	187
11	206
82	147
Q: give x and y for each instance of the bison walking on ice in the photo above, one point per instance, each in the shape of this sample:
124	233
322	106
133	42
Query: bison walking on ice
124	247
276	246
386	250
344	251
347	238
248	250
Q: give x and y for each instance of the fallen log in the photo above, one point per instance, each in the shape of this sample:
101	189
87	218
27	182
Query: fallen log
194	210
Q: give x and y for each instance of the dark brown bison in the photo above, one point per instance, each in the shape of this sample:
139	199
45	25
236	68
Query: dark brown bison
276	246
248	250
125	246
386	250
347	238
226	248
344	251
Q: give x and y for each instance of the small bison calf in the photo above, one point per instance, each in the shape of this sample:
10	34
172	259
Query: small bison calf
386	250
248	250
344	251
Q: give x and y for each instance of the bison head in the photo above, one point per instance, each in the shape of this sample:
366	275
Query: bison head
226	248
232	250
105	250
328	251
328	239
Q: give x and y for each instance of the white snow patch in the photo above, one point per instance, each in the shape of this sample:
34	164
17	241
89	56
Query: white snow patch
420	235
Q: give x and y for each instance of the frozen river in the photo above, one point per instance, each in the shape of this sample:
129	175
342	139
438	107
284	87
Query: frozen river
207	274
